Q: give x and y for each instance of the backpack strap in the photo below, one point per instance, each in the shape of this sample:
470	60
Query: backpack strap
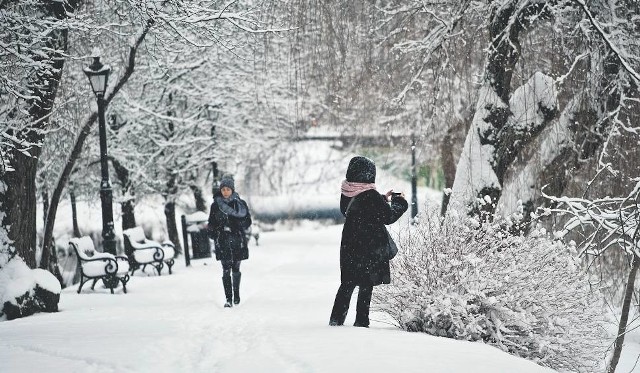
346	212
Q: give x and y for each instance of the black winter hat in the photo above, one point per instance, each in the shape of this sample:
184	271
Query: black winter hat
227	181
361	170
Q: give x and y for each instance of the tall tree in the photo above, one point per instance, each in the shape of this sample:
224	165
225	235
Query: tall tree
31	73
497	135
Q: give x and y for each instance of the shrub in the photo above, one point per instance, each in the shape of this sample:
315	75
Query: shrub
25	291
527	295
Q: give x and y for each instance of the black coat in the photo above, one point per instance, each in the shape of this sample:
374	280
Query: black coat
364	239
227	225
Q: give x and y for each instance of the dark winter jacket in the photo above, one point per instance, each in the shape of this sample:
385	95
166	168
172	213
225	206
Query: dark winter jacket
228	220
364	238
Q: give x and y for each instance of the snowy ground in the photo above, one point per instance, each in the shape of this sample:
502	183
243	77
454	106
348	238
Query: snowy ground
177	324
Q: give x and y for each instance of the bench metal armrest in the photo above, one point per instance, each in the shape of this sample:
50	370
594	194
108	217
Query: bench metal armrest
157	255
111	265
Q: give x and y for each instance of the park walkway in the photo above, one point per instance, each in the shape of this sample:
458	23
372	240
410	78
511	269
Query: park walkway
177	324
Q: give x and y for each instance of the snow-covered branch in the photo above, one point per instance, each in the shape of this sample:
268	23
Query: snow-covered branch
623	57
607	221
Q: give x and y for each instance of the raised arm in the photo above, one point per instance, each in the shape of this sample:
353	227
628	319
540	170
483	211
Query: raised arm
385	212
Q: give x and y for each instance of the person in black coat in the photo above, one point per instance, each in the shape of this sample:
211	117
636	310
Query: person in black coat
364	248
229	219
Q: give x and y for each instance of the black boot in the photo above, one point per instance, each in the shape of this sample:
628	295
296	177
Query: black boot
226	282
341	304
362	307
236	287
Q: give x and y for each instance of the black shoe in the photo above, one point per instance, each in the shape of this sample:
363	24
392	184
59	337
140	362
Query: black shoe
359	325
334	323
228	304
236	287
226	282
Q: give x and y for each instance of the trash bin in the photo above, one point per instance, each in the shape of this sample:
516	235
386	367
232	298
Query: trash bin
197	230
200	244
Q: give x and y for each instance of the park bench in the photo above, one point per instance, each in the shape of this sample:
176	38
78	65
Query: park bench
95	266
142	251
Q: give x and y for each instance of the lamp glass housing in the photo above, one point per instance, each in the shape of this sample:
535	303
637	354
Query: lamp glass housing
98	75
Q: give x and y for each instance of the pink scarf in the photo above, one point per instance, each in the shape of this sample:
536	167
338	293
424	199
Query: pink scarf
351	189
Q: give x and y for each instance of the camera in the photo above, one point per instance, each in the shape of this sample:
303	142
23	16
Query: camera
394	194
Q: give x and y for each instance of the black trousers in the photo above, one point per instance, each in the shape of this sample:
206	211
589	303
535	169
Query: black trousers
230	265
227	267
341	304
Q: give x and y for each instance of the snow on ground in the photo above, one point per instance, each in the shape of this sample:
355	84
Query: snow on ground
177	323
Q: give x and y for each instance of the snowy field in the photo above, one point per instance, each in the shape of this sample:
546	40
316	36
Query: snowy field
177	324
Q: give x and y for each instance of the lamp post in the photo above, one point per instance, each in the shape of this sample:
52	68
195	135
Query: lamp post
212	115
98	75
414	179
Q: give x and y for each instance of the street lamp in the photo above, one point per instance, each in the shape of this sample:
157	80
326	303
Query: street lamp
414	179
213	113
98	75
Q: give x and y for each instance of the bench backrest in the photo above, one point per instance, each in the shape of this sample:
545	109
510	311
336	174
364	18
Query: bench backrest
83	246
135	234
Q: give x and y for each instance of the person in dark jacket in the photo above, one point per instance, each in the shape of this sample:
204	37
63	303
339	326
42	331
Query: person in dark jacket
363	251
229	218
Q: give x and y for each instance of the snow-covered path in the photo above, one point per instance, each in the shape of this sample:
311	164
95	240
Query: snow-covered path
177	324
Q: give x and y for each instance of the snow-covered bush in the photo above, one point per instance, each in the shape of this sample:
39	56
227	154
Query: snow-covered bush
525	295
23	291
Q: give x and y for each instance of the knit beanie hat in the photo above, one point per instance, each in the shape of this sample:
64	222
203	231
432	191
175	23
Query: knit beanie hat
361	170
227	181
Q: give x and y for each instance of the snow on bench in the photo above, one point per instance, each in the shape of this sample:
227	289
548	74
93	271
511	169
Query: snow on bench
95	265
142	251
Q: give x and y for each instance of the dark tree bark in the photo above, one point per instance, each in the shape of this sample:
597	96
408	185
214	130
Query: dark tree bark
624	318
172	227
450	150
170	213
128	214
197	195
53	263
127	206
19	201
504	53
45	205
74	213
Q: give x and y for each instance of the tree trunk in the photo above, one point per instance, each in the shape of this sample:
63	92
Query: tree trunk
450	148
45	204
624	318
170	211
19	203
128	214
197	195
45	208
492	145
555	172
53	267
127	206
577	136
74	213
172	227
